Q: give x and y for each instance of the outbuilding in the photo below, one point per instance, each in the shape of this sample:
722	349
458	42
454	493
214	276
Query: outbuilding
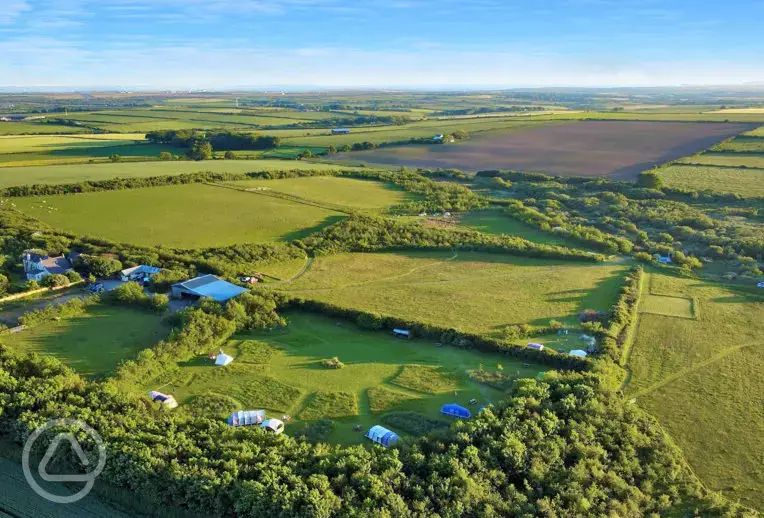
340	131
246	417
273	425
222	359
383	436
454	410
140	273
535	346
206	286
401	333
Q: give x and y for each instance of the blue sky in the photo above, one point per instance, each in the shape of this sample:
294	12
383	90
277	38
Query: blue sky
336	43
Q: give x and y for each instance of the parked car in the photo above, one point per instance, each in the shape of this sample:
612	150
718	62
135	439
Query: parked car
96	287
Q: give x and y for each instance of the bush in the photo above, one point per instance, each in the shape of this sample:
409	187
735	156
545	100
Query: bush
31	285
99	266
333	363
73	276
159	302
228	155
54	281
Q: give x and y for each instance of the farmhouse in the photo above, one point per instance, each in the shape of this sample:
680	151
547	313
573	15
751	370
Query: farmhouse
37	267
383	436
340	131
206	286
140	273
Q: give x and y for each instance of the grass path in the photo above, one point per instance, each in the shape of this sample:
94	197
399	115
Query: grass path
684	372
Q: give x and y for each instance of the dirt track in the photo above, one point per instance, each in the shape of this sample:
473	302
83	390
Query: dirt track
615	149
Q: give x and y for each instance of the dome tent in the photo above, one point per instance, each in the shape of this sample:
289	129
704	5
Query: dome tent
383	436
454	410
246	417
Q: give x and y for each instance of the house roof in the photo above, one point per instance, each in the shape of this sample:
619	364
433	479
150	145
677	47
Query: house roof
212	287
56	264
142	268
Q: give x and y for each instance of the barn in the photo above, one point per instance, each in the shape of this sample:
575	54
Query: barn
206	286
454	410
383	436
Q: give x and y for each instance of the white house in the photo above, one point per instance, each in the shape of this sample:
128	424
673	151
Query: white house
37	267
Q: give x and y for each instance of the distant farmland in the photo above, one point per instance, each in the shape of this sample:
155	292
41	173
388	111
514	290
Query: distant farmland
590	148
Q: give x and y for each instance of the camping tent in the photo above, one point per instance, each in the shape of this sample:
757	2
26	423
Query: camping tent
222	358
578	352
246	417
455	410
167	400
273	425
382	435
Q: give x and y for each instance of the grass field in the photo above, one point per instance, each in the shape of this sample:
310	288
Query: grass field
29	128
726	159
472	292
184	216
702	379
494	222
282	372
743	181
55	174
758	132
346	192
742	145
96	342
46	143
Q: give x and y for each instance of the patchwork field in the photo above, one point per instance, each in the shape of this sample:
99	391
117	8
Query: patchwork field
55	174
282	372
701	378
494	222
346	192
184	216
618	150
471	292
742	181
95	343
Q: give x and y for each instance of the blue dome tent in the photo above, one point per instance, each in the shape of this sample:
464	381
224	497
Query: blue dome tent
382	435
454	410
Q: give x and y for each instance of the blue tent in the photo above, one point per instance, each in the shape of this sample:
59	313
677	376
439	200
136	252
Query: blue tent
455	410
382	435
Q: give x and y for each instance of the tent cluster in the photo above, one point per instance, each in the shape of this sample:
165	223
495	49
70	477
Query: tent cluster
256	417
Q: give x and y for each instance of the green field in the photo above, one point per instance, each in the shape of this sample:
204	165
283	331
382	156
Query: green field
30	128
55	174
345	192
701	378
725	159
95	343
742	181
471	292
281	371
183	216
742	145
494	222
758	132
47	143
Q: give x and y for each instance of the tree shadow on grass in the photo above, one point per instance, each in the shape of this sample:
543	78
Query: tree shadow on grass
305	232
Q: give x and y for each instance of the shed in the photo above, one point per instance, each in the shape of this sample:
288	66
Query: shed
383	436
273	425
402	333
206	286
340	131
222	359
454	410
578	352
166	400
535	346
246	417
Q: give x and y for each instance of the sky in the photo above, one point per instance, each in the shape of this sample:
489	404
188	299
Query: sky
228	44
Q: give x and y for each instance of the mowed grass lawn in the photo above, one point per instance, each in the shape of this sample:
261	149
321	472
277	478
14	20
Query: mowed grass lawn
281	371
55	174
96	342
743	181
472	292
182	216
494	222
347	192
702	379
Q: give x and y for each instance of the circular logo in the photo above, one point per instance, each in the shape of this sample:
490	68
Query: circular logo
88	478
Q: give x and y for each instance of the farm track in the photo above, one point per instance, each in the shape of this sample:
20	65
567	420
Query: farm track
678	375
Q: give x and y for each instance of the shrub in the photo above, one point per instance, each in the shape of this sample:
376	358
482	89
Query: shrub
55	280
99	266
73	276
159	302
31	285
333	363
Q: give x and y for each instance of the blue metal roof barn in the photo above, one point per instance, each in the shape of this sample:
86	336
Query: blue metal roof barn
382	435
455	410
207	286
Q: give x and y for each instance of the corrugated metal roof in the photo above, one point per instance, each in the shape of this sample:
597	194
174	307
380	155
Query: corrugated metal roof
212	287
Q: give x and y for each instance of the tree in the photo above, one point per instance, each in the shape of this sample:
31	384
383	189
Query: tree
228	155
305	154
165	155
4	284
331	150
99	266
55	280
114	157
201	150
650	180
